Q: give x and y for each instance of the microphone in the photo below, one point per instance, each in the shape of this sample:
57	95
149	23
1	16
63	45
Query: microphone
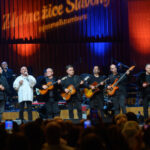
26	73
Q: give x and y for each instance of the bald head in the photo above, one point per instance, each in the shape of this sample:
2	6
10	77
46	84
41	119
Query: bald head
147	68
4	65
113	68
49	72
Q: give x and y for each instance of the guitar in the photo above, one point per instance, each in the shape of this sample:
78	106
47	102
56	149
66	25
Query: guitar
72	91
114	87
50	86
89	92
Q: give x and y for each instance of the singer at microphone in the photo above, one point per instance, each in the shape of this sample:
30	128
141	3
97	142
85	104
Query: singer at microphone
24	85
26	73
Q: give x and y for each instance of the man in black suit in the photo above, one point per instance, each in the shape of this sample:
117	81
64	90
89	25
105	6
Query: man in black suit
4	89
97	100
75	100
144	85
52	97
118	99
7	72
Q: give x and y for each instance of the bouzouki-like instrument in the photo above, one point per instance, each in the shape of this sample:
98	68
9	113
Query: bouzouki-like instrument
50	86
72	91
114	87
90	92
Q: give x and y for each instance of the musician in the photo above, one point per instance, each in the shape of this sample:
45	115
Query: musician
7	72
4	90
97	100
24	86
144	82
75	100
51	98
118	99
9	75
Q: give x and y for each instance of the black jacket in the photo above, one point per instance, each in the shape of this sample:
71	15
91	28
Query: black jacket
93	79
51	93
3	82
122	83
141	79
75	81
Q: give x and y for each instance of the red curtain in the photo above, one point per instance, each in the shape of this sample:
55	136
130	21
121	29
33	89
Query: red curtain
120	31
139	31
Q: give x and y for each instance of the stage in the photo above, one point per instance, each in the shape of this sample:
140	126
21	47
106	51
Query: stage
98	33
63	114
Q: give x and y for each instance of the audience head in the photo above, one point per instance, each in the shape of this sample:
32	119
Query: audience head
53	133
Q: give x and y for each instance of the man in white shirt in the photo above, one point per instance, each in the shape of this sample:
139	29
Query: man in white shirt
24	85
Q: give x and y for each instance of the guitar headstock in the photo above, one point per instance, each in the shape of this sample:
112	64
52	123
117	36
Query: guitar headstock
64	78
131	68
86	78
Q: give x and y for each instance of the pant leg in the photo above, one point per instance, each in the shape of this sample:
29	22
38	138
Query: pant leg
148	102
42	112
79	108
49	110
2	108
21	105
122	100
115	102
145	106
96	103
100	99
70	104
56	111
29	109
92	103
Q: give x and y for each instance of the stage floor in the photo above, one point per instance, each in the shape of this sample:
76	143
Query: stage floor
63	114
